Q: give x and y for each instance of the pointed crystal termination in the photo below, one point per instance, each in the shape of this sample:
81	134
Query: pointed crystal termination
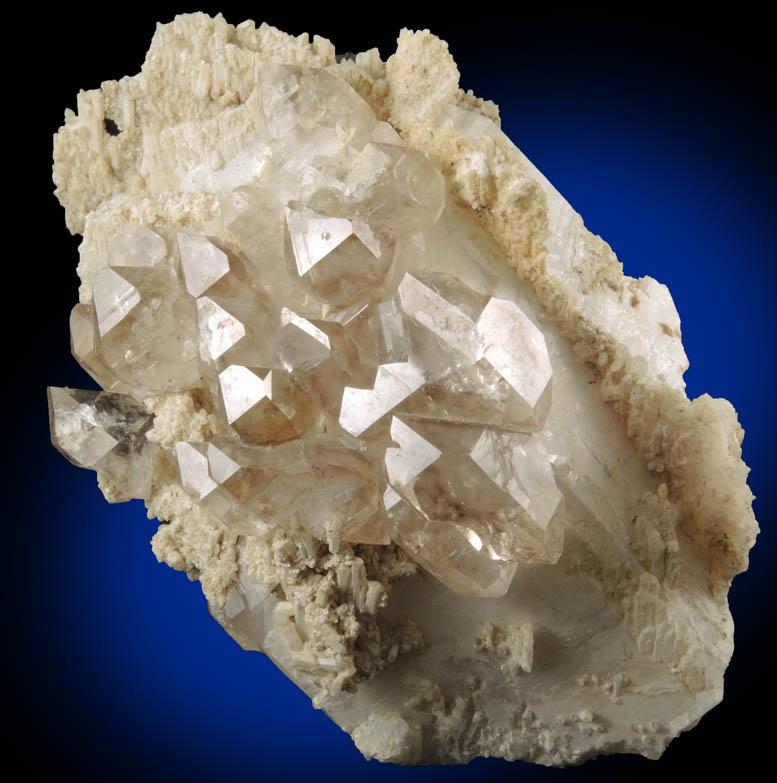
252	217
314	236
146	337
361	408
106	432
207	473
454	329
494	370
193	466
74	428
300	345
136	246
202	262
251	411
516	349
457	480
520	467
235	331
220	466
83	345
453	553
343	260
114	298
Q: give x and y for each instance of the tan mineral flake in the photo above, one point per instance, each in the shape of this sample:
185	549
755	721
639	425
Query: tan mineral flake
335	338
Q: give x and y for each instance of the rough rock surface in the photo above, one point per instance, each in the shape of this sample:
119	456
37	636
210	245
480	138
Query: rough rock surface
619	644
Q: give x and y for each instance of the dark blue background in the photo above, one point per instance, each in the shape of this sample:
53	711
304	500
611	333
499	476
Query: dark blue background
658	129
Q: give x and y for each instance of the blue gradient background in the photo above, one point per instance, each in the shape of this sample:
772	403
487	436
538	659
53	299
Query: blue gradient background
659	131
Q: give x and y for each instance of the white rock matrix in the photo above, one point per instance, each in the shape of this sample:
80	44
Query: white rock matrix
402	415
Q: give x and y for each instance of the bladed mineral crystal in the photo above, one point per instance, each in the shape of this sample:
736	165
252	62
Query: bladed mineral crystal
346	329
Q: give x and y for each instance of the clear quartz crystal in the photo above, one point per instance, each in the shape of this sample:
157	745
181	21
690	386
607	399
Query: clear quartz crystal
375	372
136	246
106	432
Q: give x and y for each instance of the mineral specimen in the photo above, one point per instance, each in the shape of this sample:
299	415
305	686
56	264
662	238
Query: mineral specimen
419	438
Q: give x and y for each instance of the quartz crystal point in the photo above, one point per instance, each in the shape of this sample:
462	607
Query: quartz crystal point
348	331
106	432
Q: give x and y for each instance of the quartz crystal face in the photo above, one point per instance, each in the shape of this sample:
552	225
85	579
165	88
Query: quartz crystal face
419	438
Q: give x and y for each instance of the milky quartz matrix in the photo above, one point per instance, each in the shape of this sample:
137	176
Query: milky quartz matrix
402	415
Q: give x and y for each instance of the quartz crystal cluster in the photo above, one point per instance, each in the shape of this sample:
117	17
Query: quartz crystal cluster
386	390
375	378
